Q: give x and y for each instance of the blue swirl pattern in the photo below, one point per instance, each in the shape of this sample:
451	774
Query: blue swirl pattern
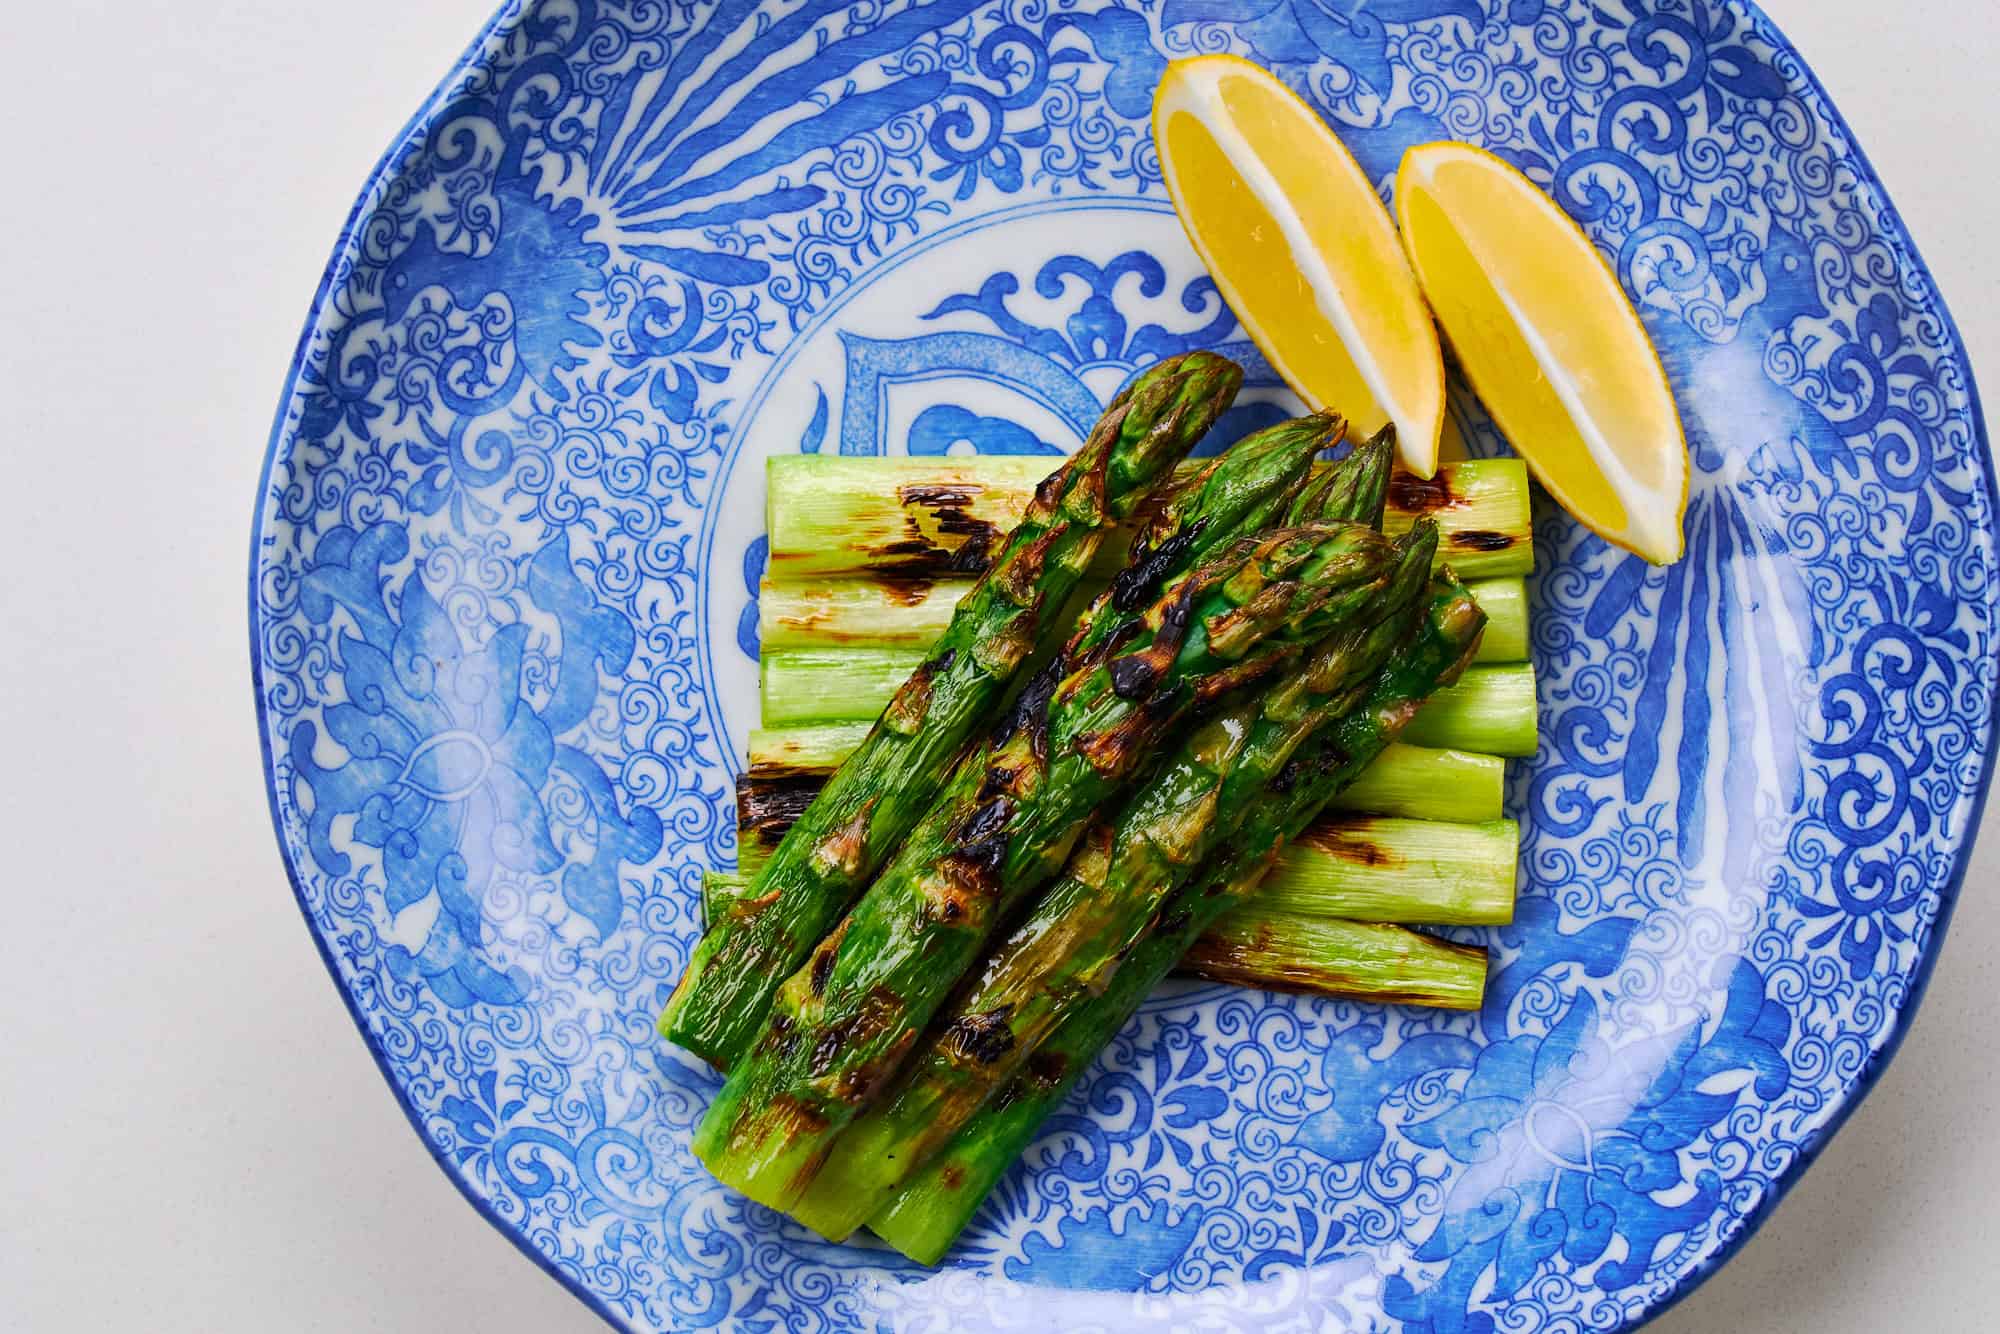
485	546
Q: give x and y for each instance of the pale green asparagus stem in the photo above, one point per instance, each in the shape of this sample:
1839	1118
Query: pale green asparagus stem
842	612
1255	945
1491	709
788	766
934	518
1425	783
1389	870
1258	946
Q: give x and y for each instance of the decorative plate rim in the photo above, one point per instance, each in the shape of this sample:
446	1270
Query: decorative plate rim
484	1207
1865	1077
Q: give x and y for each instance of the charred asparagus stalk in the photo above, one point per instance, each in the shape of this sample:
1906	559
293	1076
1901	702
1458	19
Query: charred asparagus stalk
1258	946
1417	783
934	1204
939	518
1374	870
1491	709
864	811
1003	827
845	612
1390	870
1071	940
1397	880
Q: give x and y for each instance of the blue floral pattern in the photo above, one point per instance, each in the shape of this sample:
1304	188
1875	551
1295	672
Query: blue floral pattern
504	590
446	763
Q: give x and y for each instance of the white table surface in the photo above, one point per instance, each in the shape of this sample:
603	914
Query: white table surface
192	1136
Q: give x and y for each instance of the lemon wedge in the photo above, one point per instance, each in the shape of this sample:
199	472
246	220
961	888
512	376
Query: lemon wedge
1549	342
1301	248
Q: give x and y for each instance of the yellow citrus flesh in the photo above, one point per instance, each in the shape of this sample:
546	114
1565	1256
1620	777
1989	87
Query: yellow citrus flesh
1549	342
1301	247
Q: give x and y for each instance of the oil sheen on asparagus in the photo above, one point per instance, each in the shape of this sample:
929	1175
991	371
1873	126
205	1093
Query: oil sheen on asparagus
788	766
890	616
1003	827
1073	937
936	1202
1491	708
863	812
831	514
1263	947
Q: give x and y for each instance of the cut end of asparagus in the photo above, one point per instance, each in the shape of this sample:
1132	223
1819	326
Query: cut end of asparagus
1318	956
1428	783
843	613
1420	783
1491	708
1381	869
940	518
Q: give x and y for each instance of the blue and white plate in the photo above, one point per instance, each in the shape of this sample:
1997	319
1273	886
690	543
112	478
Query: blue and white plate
508	542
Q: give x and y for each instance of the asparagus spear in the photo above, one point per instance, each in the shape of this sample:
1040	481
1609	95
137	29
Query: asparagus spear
1409	781
1425	784
1233	497
861	611
1069	943
939	518
1256	945
878	793
1491	709
1390	870
1420	784
1505	603
1371	871
937	1201
1397	870
1412	872
842	1022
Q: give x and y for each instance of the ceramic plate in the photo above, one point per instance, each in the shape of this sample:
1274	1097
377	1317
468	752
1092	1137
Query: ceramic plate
509	538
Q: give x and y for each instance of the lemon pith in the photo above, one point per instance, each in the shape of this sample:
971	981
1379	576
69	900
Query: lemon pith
1550	343
1301	248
